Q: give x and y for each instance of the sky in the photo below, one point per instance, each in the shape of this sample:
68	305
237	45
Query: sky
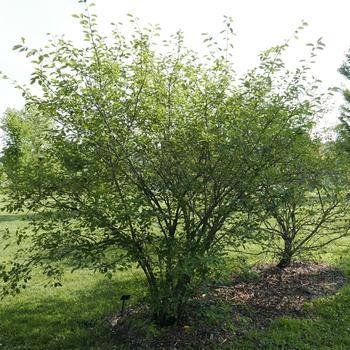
258	25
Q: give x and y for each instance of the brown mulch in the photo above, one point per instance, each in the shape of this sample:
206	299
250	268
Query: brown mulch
254	299
275	292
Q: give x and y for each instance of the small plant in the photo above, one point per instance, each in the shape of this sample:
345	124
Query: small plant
303	205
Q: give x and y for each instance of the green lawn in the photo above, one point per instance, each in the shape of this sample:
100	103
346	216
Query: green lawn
70	317
74	316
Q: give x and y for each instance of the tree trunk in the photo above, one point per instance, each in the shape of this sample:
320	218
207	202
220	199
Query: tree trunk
284	262
286	257
168	304
164	320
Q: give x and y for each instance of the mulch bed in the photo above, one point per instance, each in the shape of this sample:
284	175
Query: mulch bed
275	292
255	300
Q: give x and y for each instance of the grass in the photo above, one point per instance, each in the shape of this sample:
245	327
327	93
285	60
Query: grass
327	328
73	316
66	318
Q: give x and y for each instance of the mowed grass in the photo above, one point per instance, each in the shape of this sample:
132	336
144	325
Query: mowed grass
74	316
70	317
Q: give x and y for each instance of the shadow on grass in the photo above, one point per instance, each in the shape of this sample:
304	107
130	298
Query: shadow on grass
73	320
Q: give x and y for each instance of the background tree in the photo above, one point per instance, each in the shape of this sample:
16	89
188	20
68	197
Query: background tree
343	130
24	133
303	203
149	158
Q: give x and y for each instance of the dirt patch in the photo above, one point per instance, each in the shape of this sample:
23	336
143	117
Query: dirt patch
273	292
222	312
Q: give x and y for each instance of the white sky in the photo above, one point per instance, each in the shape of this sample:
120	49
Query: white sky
258	25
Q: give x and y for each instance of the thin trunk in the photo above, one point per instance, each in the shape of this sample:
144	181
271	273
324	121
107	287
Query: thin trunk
286	257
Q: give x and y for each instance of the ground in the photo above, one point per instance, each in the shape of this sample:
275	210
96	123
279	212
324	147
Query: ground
304	307
223	313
